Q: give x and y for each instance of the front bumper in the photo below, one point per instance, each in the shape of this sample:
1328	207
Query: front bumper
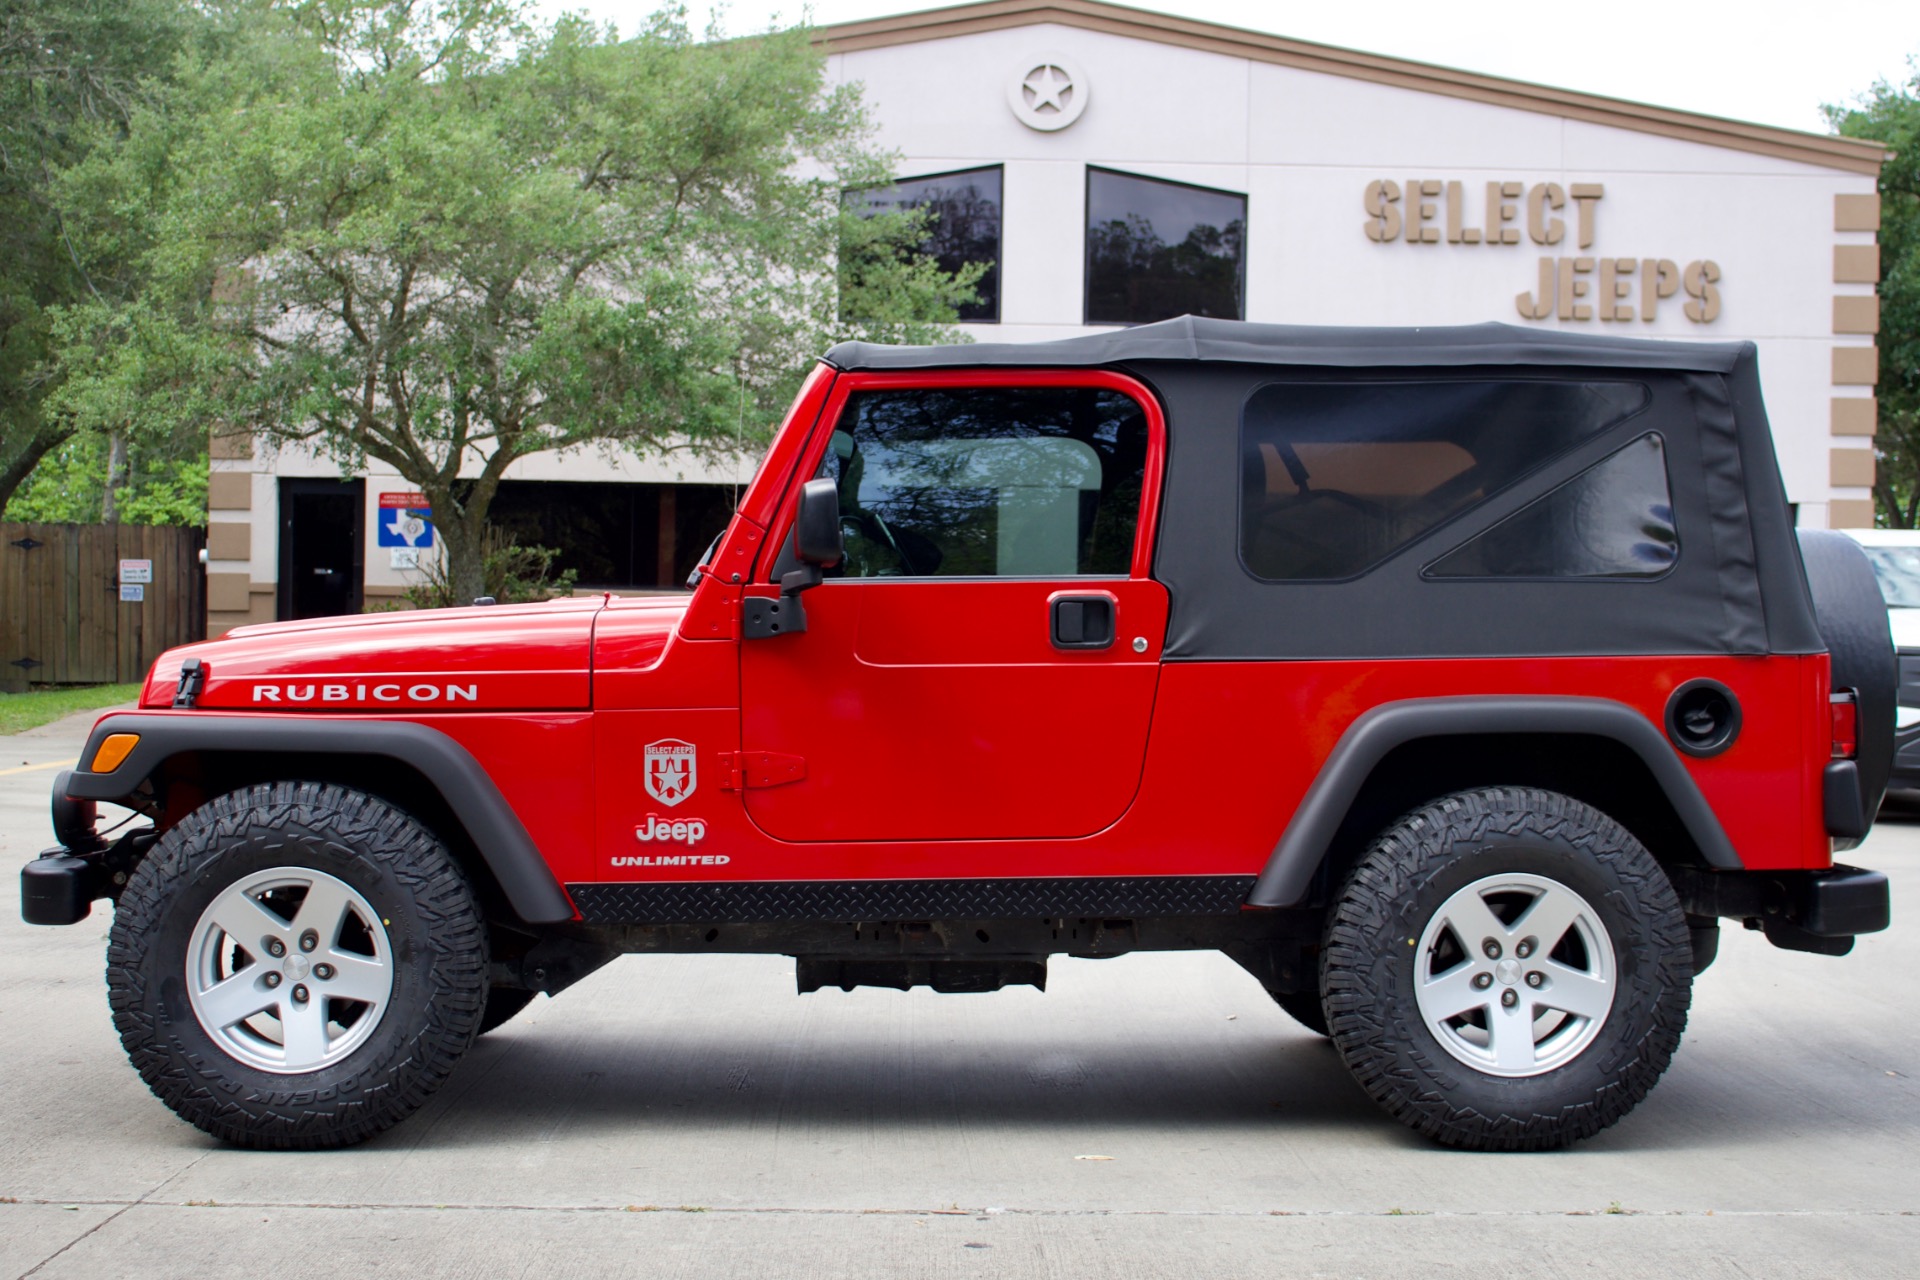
60	886
1817	911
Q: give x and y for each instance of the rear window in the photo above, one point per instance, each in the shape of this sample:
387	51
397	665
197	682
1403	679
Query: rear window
1336	477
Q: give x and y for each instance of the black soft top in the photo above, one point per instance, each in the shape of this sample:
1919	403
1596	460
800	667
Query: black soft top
1190	338
1738	587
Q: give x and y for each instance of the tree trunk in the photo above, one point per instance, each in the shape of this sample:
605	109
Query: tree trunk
116	477
463	544
17	461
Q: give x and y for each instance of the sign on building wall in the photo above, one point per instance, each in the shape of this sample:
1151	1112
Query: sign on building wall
1569	286
405	521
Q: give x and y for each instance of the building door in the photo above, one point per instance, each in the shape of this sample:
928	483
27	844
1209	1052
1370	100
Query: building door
983	664
322	528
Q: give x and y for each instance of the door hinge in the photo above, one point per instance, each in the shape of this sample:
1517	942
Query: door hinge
740	770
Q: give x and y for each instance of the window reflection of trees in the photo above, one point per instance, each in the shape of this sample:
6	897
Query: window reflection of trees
932	482
1135	277
963	226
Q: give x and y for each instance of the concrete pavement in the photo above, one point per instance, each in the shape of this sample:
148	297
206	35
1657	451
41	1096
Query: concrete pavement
691	1116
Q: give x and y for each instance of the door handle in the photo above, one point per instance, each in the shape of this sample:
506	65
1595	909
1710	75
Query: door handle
1081	621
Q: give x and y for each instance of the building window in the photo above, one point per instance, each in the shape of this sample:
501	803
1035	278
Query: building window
615	534
1161	249
963	226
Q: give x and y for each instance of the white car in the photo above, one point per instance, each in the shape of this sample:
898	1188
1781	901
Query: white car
1895	556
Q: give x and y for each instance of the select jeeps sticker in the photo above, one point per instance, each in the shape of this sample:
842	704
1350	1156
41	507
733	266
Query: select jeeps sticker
670	771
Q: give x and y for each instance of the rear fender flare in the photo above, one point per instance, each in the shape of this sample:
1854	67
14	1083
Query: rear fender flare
495	829
1290	869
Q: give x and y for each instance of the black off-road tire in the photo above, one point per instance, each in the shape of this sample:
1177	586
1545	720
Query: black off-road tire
1369	966
438	941
1305	1008
503	1004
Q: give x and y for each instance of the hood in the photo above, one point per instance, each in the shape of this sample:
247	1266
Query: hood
532	657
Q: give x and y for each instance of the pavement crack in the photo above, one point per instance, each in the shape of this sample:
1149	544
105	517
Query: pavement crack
125	1206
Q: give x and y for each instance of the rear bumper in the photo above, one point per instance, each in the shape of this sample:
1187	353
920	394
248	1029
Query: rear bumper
1818	911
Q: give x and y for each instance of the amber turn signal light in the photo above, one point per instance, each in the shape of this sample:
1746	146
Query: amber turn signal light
113	751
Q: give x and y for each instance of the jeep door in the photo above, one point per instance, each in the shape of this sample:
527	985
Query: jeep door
983	663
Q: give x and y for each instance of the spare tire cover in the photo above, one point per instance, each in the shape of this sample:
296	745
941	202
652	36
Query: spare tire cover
1853	621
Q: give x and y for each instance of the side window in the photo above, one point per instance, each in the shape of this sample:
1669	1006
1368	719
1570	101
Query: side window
963	226
1336	477
988	482
1613	520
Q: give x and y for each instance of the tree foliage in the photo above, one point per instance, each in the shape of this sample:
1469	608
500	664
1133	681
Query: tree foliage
442	237
73	74
1891	114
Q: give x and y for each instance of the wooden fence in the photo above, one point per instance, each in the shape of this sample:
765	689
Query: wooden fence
64	615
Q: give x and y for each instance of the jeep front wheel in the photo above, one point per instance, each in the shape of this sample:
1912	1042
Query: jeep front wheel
1507	969
296	965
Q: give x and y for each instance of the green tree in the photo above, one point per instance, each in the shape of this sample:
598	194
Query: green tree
446	237
73	73
1891	114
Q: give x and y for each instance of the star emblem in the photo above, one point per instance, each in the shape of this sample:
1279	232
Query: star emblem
1047	83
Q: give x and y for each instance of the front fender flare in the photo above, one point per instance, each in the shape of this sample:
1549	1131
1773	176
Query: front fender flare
495	829
1290	869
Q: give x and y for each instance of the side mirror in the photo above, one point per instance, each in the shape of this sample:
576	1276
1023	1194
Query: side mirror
818	544
816	533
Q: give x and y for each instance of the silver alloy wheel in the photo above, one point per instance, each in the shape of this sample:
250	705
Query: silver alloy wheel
1516	975
289	970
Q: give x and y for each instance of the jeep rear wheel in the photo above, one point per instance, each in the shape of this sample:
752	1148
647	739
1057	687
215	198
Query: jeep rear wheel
296	966
1508	970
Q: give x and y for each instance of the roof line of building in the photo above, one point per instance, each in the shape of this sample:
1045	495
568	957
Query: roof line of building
1850	154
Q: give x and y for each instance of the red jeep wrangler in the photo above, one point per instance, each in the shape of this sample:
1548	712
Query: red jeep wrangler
1455	682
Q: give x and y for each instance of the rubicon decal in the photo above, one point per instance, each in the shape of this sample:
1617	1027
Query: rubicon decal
670	770
686	831
286	691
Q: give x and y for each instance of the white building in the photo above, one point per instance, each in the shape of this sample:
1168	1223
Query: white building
1118	166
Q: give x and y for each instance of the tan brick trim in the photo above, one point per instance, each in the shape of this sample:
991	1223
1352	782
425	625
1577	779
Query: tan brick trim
229	540
262	604
1856	264
1851	155
230	491
1859	314
1856	366
1850	513
1850	468
1856	213
1854	416
230	446
227	592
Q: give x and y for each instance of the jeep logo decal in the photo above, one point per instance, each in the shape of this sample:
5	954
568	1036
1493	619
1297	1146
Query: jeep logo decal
287	692
670	771
687	831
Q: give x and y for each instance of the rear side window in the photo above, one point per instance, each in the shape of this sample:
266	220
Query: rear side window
1613	520
988	482
1336	477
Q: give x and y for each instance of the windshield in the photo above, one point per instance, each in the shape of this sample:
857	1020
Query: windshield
1898	569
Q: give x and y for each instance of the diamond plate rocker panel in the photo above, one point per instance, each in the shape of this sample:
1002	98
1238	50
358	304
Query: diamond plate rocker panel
841	900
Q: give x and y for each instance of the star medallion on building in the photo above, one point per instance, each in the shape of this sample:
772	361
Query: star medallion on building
1049	93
